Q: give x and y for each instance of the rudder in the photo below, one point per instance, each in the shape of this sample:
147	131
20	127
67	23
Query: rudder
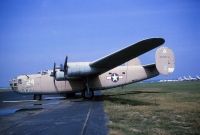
165	61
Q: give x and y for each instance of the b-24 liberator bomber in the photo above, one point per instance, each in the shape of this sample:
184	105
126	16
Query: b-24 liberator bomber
117	69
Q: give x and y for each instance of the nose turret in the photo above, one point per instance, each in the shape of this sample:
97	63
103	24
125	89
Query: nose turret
14	84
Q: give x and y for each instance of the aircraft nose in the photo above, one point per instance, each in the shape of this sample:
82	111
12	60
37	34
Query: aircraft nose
14	84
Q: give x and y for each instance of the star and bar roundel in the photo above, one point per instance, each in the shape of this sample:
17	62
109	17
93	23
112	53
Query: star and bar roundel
114	77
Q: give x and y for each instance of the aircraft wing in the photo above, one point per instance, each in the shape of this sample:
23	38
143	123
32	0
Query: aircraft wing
117	58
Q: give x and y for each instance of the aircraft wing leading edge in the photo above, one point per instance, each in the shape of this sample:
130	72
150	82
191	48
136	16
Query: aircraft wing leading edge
115	59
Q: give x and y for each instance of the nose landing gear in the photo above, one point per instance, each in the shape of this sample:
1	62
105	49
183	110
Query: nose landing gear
37	97
87	92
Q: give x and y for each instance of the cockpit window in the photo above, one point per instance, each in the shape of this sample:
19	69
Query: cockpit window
45	72
19	81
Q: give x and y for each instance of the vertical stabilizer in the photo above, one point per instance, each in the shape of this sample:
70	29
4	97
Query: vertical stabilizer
165	61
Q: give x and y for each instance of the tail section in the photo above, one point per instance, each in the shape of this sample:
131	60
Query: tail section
165	61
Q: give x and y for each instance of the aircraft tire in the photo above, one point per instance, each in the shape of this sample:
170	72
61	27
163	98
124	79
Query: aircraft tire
37	97
70	95
87	95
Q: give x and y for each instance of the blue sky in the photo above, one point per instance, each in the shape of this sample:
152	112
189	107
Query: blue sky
35	33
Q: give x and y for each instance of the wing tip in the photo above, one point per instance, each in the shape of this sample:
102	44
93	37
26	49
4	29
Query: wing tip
153	41
159	41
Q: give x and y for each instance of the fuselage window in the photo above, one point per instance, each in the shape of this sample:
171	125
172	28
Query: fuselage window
123	73
20	81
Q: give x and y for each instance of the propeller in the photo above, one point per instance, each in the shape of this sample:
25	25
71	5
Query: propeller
66	66
54	72
62	68
54	75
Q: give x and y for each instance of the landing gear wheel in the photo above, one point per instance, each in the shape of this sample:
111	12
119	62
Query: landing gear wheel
88	94
37	97
70	95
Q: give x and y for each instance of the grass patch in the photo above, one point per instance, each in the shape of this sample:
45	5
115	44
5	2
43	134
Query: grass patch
154	108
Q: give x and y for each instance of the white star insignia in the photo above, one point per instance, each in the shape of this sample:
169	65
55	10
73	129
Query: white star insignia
164	51
115	77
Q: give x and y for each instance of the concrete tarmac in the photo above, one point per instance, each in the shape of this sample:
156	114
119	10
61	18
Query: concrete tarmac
20	115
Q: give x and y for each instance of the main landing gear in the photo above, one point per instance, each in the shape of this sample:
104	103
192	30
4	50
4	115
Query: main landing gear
87	92
70	95
37	97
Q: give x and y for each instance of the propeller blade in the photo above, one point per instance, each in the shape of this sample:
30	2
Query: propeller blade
65	66
54	72
61	67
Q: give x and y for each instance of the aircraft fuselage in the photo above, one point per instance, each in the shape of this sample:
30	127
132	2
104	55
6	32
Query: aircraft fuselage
43	83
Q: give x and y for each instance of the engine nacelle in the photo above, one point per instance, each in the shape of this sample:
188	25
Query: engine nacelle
75	70
59	76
